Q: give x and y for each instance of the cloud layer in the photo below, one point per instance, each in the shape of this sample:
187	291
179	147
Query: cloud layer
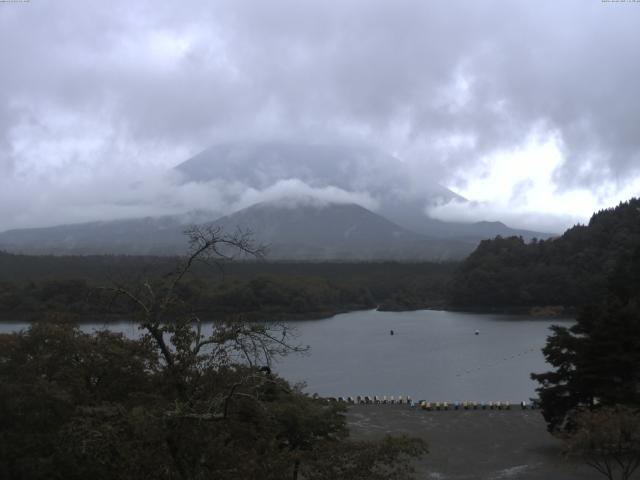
96	92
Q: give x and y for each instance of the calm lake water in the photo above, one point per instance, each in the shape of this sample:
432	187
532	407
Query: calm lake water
433	355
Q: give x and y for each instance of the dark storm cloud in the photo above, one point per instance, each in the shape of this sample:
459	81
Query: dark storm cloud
91	87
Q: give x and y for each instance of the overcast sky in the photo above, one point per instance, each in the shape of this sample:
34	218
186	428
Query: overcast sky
529	109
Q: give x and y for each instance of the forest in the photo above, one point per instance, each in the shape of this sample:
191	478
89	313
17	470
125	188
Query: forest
32	285
570	271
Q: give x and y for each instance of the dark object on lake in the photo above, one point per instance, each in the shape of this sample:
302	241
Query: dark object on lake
391	332
477	332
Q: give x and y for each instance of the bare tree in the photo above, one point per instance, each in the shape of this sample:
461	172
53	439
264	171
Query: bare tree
176	330
608	439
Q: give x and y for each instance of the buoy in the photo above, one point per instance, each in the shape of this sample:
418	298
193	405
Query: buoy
477	332
391	332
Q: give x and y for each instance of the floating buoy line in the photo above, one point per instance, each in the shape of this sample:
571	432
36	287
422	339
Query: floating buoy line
498	363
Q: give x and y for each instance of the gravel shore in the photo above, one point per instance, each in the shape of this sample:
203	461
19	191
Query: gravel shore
473	444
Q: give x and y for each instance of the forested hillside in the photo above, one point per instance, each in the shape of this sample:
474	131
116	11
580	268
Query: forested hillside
571	270
34	285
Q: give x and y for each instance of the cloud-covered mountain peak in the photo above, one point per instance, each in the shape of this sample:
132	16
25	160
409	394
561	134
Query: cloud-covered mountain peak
348	166
328	172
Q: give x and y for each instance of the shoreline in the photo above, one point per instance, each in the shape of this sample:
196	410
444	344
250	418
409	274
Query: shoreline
109	318
254	316
472	444
542	311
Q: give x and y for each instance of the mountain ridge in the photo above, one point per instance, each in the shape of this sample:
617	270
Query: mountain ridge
330	232
296	229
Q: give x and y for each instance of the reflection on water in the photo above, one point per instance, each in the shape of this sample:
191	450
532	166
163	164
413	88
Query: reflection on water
432	354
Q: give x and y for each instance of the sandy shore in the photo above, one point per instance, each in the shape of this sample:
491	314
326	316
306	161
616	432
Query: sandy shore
473	444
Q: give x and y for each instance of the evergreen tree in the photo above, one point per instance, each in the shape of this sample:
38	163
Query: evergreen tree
596	361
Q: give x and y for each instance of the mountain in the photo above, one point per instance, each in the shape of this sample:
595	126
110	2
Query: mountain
292	229
139	236
401	197
572	270
476	231
311	231
398	229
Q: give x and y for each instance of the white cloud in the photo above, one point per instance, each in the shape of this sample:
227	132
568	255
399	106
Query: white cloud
518	187
97	91
293	192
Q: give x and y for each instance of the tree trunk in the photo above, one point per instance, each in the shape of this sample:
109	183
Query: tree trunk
296	468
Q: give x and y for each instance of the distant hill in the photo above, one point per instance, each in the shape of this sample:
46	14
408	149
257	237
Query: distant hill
476	231
572	270
314	232
140	236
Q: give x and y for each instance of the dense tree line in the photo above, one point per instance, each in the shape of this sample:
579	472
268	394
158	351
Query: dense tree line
72	285
380	276
571	270
259	298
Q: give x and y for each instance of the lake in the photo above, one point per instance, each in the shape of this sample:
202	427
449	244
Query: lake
434	355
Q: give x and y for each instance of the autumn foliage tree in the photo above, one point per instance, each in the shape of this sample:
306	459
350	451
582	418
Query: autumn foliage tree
608	440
